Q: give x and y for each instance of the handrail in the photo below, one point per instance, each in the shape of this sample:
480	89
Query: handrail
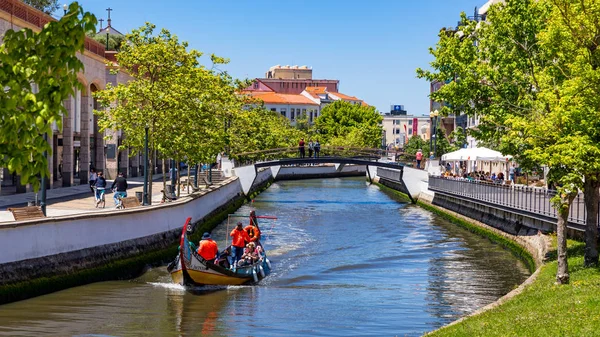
39	19
523	198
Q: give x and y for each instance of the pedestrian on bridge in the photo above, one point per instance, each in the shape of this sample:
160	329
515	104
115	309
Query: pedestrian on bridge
317	148
311	148
301	148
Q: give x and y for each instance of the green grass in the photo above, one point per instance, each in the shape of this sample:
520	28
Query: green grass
543	308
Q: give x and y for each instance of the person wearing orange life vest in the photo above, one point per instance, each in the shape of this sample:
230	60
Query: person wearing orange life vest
207	248
252	228
238	242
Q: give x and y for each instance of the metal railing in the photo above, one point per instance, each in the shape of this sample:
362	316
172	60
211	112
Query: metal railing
531	200
247	158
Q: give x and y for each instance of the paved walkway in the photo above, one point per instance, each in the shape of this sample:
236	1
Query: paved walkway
79	199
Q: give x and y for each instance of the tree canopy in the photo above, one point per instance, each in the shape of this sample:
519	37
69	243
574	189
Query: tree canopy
38	71
346	124
530	73
46	6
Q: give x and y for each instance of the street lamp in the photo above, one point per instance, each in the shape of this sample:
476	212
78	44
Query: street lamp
433	115
65	9
44	181
145	198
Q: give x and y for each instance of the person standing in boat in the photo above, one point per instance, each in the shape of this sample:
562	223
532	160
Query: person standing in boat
207	248
252	228
238	242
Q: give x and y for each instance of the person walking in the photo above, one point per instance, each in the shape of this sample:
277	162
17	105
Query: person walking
317	148
301	147
121	184
238	242
207	248
311	148
100	187
511	173
419	156
93	178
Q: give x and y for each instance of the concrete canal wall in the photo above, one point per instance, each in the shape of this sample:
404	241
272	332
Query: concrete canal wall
45	255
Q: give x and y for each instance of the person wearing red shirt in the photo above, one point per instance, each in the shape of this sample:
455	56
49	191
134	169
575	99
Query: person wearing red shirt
208	248
238	242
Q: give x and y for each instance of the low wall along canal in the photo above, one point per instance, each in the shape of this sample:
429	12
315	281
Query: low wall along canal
337	234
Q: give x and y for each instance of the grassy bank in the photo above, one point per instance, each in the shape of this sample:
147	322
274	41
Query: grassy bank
543	308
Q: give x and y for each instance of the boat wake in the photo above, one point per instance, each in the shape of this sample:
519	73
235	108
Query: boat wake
170	286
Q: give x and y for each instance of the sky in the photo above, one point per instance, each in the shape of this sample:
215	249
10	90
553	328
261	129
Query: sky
372	47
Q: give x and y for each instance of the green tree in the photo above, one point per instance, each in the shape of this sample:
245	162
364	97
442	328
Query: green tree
347	124
416	143
114	41
46	6
38	71
504	73
180	101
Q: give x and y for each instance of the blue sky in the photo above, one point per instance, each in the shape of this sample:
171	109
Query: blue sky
372	47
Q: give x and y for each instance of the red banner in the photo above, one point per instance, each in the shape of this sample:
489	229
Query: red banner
415	126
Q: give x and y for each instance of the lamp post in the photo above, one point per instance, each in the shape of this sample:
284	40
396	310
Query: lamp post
65	9
44	181
433	115
145	198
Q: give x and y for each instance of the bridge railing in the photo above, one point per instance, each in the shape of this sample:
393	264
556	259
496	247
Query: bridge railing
532	200
247	158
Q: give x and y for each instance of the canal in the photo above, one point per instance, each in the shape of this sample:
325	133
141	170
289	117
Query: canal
348	260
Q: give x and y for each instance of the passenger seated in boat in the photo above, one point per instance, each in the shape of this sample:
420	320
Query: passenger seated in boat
225	258
250	255
207	248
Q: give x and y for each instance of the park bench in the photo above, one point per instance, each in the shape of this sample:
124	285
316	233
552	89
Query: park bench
167	196
130	202
27	213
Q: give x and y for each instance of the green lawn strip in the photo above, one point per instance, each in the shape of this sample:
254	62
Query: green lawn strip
543	308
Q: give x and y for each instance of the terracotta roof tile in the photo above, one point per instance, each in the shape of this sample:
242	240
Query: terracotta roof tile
275	98
345	97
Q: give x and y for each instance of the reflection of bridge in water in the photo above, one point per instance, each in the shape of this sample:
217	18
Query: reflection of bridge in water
247	164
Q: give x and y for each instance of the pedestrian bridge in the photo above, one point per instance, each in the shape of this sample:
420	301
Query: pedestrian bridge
247	165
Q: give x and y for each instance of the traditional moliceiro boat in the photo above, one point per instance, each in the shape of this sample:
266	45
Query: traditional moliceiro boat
190	269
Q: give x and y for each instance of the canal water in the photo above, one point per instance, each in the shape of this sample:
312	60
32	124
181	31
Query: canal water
348	260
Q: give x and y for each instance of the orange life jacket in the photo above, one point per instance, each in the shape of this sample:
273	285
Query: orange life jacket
208	249
240	237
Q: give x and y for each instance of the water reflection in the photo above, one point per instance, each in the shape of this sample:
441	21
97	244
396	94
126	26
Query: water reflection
347	260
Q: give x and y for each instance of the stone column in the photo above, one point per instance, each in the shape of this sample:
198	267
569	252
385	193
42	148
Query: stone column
112	154
99	140
67	158
84	152
124	164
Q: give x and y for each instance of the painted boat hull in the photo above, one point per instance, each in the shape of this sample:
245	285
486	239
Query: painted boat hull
190	269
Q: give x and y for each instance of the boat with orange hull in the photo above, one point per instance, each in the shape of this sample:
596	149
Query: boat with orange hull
190	269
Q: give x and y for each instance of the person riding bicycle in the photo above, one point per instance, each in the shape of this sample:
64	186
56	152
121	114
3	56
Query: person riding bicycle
100	187
121	184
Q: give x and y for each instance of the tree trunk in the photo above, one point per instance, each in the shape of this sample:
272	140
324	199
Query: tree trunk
591	196
164	174
562	274
150	173
178	181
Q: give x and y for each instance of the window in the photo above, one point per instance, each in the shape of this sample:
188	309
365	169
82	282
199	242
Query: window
397	131
303	112
256	85
410	131
284	112
410	122
311	115
274	109
292	116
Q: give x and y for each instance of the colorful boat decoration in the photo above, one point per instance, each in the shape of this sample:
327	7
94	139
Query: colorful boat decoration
190	269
